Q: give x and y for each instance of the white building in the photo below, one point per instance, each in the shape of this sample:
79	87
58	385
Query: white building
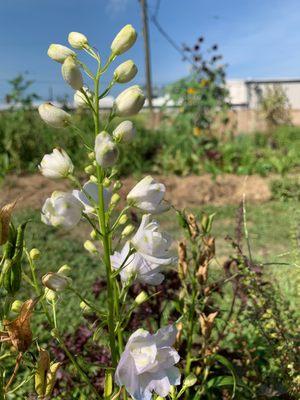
246	93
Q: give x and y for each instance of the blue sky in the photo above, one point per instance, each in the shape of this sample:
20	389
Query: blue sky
258	38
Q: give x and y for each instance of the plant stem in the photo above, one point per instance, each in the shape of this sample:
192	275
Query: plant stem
105	238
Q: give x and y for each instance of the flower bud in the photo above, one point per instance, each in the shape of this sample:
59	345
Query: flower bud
125	72
106	182
93	234
65	270
90	247
189	381
124	40
117	185
79	98
89	169
123	220
54	116
50	295
77	40
129	102
128	230
93	179
16	306
85	308
71	73
59	53
124	132
34	254
115	199
141	298
55	281
91	155
106	150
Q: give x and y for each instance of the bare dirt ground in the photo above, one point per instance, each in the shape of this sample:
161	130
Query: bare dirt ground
191	191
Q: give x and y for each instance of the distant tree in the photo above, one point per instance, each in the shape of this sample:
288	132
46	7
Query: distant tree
274	106
18	95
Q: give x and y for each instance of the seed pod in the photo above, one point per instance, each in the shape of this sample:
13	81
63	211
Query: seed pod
5	216
43	366
51	377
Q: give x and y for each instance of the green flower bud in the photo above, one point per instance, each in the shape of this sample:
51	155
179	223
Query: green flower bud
128	230
77	40
16	306
93	234
34	254
141	298
115	199
125	72
106	183
90	247
71	73
89	169
123	220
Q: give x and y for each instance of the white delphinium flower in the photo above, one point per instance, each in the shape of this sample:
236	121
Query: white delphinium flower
125	72
71	73
79	98
123	40
148	195
59	52
89	197
129	102
61	209
124	132
56	165
54	116
151	243
136	267
106	151
77	40
147	364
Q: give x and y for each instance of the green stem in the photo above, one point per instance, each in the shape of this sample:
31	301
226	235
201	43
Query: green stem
105	238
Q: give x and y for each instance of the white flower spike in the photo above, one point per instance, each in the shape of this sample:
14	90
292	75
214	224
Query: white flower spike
124	40
61	209
54	116
56	165
147	364
129	102
124	132
148	195
106	151
59	52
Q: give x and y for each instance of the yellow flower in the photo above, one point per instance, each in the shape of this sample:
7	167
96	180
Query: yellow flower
197	131
191	90
204	82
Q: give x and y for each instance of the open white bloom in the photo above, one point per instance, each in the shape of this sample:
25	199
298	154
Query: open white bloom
59	52
106	151
54	116
129	102
80	99
71	73
152	244
61	209
148	195
88	197
124	40
136	266
124	132
77	40
125	72
55	281
56	165
147	364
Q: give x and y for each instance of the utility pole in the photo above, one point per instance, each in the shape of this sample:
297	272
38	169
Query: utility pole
144	10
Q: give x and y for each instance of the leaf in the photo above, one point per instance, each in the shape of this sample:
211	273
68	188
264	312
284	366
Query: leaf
230	367
220	381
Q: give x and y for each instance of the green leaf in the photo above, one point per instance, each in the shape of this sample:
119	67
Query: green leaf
220	381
